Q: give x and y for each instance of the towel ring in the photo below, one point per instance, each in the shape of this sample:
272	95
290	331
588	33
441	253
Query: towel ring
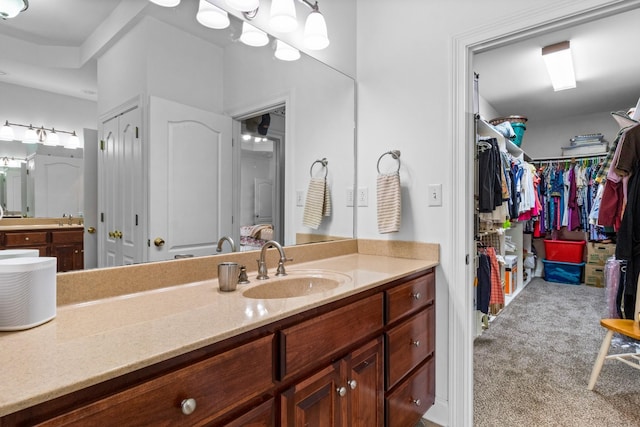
393	153
324	163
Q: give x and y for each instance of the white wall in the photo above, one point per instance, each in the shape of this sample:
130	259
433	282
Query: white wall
32	106
407	100
154	58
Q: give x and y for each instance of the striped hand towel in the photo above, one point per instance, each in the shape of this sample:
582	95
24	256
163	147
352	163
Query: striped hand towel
318	203
389	203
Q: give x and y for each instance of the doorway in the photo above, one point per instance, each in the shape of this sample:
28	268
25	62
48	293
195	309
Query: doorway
260	177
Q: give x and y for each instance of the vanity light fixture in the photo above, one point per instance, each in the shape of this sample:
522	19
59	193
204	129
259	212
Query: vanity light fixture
315	29
47	136
166	3
212	16
244	5
253	36
282	17
284	52
11	8
557	58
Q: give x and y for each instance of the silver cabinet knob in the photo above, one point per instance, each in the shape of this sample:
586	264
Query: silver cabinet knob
415	402
415	343
188	406
342	391
416	295
352	384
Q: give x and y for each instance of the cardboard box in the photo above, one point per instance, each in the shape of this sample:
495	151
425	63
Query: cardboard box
594	275
598	253
510	274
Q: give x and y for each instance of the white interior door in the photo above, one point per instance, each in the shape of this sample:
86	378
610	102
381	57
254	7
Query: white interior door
190	180
263	190
109	252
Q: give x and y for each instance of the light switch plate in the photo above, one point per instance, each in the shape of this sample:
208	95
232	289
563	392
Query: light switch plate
435	194
299	198
363	196
350	196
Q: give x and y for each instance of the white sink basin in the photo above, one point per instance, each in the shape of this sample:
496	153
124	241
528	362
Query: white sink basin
298	284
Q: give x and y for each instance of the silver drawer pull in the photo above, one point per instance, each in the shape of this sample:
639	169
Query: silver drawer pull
416	295
188	406
415	402
415	343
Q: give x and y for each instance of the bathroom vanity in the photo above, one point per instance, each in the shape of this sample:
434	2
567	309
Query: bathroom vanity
362	353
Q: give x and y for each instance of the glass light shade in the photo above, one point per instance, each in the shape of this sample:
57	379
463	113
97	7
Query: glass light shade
315	31
52	138
6	133
284	52
252	36
30	136
282	17
166	3
73	141
560	68
212	16
11	8
244	5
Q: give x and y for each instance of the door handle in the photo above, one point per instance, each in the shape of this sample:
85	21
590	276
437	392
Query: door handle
91	230
158	241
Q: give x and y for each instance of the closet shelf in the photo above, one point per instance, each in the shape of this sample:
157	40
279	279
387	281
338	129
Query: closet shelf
484	128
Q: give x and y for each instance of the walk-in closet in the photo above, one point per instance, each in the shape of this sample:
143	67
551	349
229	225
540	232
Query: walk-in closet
556	227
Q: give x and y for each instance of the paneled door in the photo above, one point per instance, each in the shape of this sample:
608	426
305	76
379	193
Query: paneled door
190	180
120	188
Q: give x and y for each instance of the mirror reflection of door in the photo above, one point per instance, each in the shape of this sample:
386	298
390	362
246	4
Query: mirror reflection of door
261	178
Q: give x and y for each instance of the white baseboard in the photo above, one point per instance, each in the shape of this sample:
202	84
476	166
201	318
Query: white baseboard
438	413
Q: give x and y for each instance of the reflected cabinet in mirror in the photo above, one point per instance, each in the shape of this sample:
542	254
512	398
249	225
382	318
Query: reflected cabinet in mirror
203	137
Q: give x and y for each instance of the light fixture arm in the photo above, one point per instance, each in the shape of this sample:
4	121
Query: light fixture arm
312	6
7	123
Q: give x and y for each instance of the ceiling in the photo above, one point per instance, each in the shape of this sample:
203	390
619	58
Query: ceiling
48	47
514	81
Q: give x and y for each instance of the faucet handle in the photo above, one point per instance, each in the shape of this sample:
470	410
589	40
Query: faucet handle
281	271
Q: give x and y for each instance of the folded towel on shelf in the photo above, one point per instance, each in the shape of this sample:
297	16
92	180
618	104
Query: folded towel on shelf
389	203
318	203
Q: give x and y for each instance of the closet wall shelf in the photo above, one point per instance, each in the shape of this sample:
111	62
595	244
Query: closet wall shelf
484	128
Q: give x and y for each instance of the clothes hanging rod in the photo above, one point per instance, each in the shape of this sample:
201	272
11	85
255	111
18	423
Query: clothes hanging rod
569	158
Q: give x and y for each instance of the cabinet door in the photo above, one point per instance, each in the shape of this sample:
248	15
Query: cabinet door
365	386
316	401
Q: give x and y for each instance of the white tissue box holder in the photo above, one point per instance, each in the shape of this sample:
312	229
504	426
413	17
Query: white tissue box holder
27	292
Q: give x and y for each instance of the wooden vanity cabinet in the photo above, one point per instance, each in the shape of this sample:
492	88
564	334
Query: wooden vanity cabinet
64	244
195	395
410	350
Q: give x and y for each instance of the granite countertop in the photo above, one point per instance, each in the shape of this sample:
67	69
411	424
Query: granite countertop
93	341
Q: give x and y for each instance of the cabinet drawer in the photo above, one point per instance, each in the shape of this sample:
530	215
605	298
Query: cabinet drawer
218	384
29	238
411	296
69	236
408	344
406	405
314	341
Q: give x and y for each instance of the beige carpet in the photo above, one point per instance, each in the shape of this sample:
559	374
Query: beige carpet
532	365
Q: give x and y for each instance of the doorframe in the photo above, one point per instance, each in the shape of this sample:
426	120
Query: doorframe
524	23
283	179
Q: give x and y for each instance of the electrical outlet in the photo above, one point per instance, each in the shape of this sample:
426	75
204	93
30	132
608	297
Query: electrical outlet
435	194
299	198
363	196
350	196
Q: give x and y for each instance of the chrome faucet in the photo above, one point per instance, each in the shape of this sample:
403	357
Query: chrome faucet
231	243
262	265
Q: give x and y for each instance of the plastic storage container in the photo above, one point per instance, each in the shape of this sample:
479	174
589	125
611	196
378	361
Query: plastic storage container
563	272
564	250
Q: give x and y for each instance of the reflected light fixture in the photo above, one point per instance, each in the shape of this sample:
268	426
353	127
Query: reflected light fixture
315	29
30	136
284	52
165	3
244	5
252	36
6	133
212	16
282	17
557	58
11	8
47	136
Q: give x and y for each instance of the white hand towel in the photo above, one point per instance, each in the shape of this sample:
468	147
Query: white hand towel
389	203
318	203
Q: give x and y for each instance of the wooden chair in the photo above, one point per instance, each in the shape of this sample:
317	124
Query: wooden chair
626	327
